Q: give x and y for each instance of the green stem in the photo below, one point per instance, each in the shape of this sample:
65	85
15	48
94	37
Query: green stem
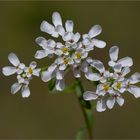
86	108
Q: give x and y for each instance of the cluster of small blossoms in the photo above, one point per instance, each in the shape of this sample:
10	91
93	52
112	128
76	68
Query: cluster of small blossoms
24	74
70	54
112	83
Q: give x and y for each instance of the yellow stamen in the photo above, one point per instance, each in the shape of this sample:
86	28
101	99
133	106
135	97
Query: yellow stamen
65	50
119	85
65	60
106	87
78	55
30	70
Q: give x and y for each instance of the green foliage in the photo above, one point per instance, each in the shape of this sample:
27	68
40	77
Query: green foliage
81	134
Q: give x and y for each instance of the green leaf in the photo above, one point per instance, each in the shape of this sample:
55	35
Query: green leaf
81	134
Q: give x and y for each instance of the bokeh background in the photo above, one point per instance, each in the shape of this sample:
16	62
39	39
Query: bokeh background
53	116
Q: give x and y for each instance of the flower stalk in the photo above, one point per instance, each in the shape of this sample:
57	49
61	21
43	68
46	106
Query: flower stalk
86	108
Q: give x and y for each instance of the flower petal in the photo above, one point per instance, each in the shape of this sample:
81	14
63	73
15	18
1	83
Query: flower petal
120	100
76	37
135	78
56	19
134	90
33	64
36	72
25	91
41	41
92	76
41	54
125	71
113	53
69	26
59	74
89	95
60	29
98	65
125	62
47	27
94	31
15	88
46	76
99	43
100	107
9	70
60	85
110	102
13	59
67	36
117	68
76	72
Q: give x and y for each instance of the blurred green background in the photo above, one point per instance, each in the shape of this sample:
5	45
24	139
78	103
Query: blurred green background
59	116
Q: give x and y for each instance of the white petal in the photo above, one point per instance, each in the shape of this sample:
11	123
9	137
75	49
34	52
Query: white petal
36	72
120	100
46	27
110	102
111	63
92	76
33	64
134	90
41	41
135	78
125	71
41	54
56	19
69	26
94	31
113	53
62	67
9	70
59	75
89	95
46	76
67	36
60	30
60	85
100	107
13	59
117	68
76	37
25	91
99	43
98	65
15	88
125	62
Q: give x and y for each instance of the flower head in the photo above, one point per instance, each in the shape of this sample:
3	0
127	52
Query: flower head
112	83
24	74
71	52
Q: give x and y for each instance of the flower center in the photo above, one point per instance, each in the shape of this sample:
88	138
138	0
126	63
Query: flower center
78	55
105	87
30	70
65	60
65	50
118	85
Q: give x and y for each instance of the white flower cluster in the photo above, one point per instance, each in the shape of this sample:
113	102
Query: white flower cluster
71	53
24	74
112	83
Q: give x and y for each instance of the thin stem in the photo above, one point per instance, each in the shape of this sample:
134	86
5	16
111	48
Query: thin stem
86	108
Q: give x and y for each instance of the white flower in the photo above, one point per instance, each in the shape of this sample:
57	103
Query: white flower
48	47
89	39
114	98
24	74
113	53
54	71
16	68
55	30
